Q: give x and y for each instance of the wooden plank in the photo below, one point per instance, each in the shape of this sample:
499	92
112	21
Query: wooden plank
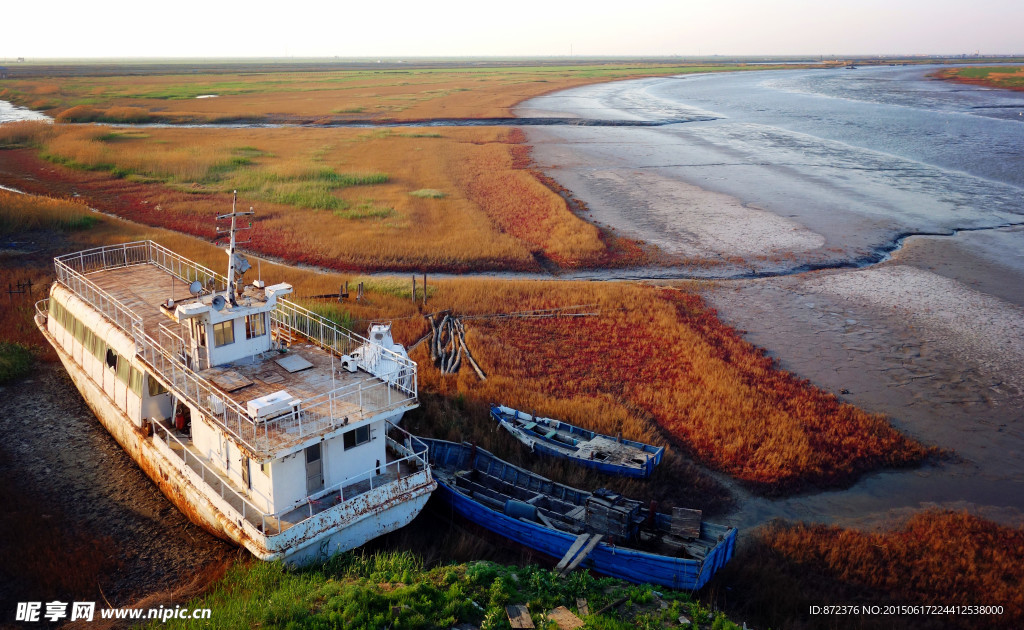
519	616
579	542
686	522
564	618
582	607
583	554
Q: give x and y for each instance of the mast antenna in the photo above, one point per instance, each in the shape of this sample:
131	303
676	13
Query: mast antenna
235	263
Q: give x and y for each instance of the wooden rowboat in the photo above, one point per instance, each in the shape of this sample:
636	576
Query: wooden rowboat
611	455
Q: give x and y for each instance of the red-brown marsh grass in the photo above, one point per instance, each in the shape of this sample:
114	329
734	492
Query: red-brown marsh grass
936	558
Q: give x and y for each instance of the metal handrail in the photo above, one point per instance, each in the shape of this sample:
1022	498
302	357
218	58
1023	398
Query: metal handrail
328	335
313	415
247	505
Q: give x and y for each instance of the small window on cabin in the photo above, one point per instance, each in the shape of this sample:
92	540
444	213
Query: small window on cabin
224	333
111	359
255	325
88	340
247	472
99	347
53	308
69	320
155	387
357	436
135	382
80	331
124	369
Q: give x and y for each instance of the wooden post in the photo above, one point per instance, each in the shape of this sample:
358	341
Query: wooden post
414	288
424	289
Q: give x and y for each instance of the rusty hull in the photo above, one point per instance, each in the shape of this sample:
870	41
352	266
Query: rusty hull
345	526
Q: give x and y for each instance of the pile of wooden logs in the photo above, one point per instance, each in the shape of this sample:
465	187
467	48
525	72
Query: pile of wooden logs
448	344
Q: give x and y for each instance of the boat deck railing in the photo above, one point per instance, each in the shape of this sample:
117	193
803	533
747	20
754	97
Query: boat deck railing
240	508
330	410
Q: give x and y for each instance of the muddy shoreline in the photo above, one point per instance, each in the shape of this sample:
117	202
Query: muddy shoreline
916	316
86	524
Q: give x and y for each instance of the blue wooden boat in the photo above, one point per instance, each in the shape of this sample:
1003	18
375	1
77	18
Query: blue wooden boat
602	531
613	456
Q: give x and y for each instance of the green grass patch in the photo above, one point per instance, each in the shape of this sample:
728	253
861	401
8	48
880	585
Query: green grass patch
334	312
121	136
356	590
368	209
16	361
427	193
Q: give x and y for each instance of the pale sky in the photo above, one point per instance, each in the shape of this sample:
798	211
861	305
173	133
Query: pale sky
211	28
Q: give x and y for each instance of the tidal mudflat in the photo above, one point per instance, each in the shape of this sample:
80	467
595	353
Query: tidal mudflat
904	195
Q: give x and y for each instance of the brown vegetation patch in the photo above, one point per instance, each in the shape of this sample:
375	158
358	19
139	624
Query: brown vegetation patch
936	558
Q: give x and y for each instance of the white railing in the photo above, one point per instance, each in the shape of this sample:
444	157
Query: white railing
325	333
165	356
248	510
184	269
99	299
377	473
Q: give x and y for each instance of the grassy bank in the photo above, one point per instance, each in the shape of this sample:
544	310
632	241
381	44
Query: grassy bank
1002	77
395	590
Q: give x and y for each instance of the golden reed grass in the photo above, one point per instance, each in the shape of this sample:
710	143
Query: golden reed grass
490	212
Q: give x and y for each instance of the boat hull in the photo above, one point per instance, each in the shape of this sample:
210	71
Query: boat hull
505	417
349	526
608	559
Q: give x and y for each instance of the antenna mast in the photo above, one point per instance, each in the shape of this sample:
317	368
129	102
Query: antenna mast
233	242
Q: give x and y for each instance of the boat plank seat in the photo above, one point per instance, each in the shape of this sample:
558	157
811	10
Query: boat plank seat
550	434
529	426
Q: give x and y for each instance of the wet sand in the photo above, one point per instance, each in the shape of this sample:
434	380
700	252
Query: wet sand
932	336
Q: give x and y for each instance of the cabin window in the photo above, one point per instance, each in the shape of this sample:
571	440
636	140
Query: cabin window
99	347
155	387
224	333
135	382
88	340
124	369
255	325
80	331
53	308
247	472
356	437
111	359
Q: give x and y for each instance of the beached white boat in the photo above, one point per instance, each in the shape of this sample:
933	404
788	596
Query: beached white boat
265	423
